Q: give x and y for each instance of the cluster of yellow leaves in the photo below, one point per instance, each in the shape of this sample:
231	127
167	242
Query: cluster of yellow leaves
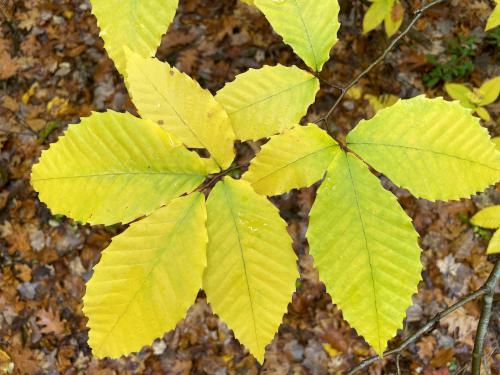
476	98
391	12
114	167
489	218
363	243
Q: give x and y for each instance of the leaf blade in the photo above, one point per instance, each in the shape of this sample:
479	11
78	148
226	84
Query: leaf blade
488	217
494	245
177	102
494	18
376	13
461	93
138	293
309	27
434	148
133	158
365	249
136	24
490	89
294	159
251	268
266	101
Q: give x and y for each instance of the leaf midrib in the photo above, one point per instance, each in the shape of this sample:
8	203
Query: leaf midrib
118	174
366	247
309	79
155	263
230	204
423	150
295	161
311	46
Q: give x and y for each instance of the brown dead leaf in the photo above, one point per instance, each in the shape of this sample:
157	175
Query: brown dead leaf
50	322
25	361
23	272
442	357
461	324
426	347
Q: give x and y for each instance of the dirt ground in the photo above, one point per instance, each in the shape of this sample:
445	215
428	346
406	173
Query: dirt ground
53	70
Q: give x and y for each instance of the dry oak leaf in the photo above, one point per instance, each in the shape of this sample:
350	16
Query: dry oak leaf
50	322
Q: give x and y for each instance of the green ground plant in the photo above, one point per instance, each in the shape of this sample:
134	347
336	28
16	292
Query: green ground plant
230	240
458	64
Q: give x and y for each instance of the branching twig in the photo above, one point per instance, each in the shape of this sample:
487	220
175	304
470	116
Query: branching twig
218	176
484	320
488	288
343	90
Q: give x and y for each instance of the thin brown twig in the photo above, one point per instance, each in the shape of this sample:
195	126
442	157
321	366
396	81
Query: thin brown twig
485	289
218	176
484	319
417	15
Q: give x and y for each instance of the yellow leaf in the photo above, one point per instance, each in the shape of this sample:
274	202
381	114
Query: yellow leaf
332	352
365	249
355	92
394	19
178	103
380	102
494	245
494	19
252	269
136	24
114	167
461	93
309	27
496	141
483	113
487	218
434	148
266	101
490	91
295	159
376	14
147	278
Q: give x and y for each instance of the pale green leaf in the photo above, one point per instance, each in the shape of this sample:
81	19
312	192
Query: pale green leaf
483	113
147	278
295	159
461	93
494	19
266	101
376	14
494	245
365	249
487	218
434	148
136	24
490	91
114	167
252	269
309	27
178	103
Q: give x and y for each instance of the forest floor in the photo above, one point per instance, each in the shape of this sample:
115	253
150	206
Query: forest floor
53	70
